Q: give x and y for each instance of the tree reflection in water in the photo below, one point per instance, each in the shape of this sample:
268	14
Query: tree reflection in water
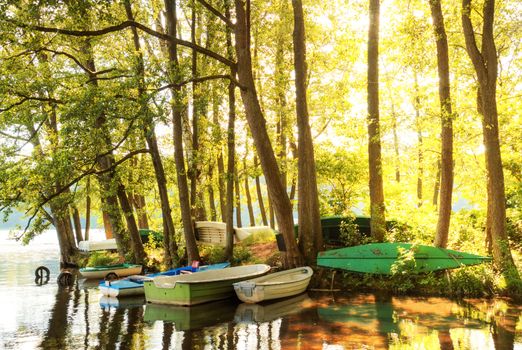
337	321
57	332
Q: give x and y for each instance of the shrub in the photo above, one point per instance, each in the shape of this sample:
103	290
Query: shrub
100	258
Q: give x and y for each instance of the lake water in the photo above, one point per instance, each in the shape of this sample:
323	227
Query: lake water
50	317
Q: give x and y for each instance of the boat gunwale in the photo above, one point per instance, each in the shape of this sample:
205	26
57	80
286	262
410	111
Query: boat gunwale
307	275
173	280
124	266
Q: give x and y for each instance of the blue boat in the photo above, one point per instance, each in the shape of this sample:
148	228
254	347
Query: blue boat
133	285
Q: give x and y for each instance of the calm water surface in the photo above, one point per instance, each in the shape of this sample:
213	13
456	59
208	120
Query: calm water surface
49	317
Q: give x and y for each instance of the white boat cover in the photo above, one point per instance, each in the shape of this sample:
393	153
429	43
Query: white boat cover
89	246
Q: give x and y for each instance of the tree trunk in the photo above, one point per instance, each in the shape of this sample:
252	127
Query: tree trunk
271	215
293	186
486	66
220	162
106	223
109	182
184	200
77	224
211	199
135	239
111	185
378	221
420	150
257	124
446	114
247	192
88	208
231	147
141	212
196	199
171	258
67	249
260	196
396	144
436	185
237	193
309	221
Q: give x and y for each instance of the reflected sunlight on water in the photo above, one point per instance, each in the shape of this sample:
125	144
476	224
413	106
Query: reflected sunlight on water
49	317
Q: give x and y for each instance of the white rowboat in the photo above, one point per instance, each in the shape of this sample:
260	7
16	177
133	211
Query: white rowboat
273	286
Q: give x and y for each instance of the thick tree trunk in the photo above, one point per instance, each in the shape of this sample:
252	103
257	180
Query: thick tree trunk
184	200
67	247
141	212
486	66
171	258
135	239
106	221
446	186
257	124
309	221
378	221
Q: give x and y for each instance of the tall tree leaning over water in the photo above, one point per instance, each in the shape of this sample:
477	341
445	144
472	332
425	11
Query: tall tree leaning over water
174	73
378	220
485	62
446	117
257	123
310	234
170	246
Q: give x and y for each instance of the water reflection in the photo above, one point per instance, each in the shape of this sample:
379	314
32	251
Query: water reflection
317	322
50	317
194	317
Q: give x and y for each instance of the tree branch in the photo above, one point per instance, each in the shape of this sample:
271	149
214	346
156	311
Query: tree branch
124	25
197	80
26	98
471	44
217	13
91	171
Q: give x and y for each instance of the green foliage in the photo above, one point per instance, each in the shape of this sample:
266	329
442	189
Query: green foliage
402	270
259	236
101	258
213	254
472	281
350	234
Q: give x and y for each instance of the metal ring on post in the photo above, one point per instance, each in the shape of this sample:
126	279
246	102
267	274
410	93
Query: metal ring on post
65	279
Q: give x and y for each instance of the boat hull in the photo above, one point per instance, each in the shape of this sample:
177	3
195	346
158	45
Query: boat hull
101	272
191	318
120	288
378	258
133	285
278	285
199	288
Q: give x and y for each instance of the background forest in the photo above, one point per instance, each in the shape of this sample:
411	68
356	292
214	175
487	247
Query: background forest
134	109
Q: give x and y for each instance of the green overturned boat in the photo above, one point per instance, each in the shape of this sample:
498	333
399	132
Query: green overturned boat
201	287
378	258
